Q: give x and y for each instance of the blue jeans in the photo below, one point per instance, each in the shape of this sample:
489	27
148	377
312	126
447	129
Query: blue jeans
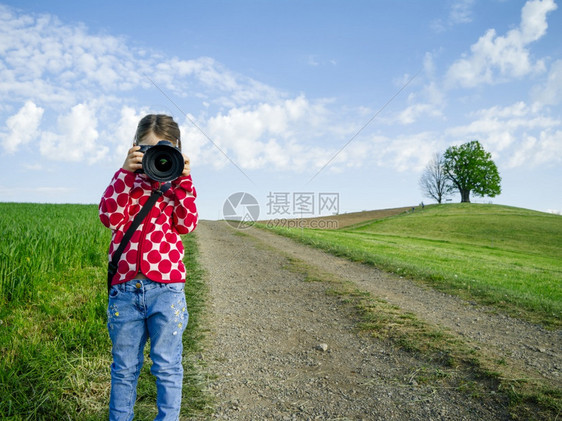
138	310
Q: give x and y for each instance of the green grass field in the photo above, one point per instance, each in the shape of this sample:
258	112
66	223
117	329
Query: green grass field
53	338
507	257
54	343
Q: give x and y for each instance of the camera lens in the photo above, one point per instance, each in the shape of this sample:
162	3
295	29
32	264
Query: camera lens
163	162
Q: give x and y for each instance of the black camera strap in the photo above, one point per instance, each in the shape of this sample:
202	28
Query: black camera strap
112	266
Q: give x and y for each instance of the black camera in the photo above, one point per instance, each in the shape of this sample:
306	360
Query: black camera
161	162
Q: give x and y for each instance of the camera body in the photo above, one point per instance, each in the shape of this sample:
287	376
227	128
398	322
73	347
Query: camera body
161	162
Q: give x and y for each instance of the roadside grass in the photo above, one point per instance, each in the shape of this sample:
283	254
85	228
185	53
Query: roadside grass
449	361
55	349
506	257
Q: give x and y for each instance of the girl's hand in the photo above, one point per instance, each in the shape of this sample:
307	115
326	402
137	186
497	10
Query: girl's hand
186	167
134	160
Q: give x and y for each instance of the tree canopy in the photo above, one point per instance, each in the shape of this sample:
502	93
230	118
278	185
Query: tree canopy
471	169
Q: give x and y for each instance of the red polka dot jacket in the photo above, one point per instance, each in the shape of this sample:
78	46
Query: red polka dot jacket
156	248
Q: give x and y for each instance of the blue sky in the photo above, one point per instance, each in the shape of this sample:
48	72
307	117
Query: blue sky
276	89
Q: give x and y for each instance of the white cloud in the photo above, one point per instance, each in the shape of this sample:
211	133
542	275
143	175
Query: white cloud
550	93
535	151
76	75
83	77
533	19
516	134
56	63
62	65
407	153
494	58
22	127
460	13
206	79
122	132
426	103
313	61
76	137
413	112
280	135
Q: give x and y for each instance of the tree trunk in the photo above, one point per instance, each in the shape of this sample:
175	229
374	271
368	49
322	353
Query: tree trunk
465	196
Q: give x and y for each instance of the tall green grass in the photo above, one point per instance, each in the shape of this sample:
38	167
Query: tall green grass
507	257
54	346
38	240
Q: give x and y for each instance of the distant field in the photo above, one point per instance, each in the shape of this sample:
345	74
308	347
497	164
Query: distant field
337	221
504	256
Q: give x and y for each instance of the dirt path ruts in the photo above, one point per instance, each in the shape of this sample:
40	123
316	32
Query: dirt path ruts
532	346
267	327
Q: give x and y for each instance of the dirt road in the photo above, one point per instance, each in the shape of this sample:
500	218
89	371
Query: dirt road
281	348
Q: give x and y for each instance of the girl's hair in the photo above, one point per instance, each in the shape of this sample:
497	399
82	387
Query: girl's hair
161	125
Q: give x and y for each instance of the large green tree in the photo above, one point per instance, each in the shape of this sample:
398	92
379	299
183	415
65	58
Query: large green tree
471	169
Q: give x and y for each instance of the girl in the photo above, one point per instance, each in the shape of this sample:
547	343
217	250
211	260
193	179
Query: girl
147	298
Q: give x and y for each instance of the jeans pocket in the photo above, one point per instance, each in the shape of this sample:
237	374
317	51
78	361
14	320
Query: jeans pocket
114	291
176	286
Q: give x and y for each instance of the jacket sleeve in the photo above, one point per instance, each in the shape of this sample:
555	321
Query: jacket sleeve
115	202
184	217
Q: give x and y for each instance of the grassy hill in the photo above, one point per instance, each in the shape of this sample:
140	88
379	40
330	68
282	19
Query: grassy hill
507	257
